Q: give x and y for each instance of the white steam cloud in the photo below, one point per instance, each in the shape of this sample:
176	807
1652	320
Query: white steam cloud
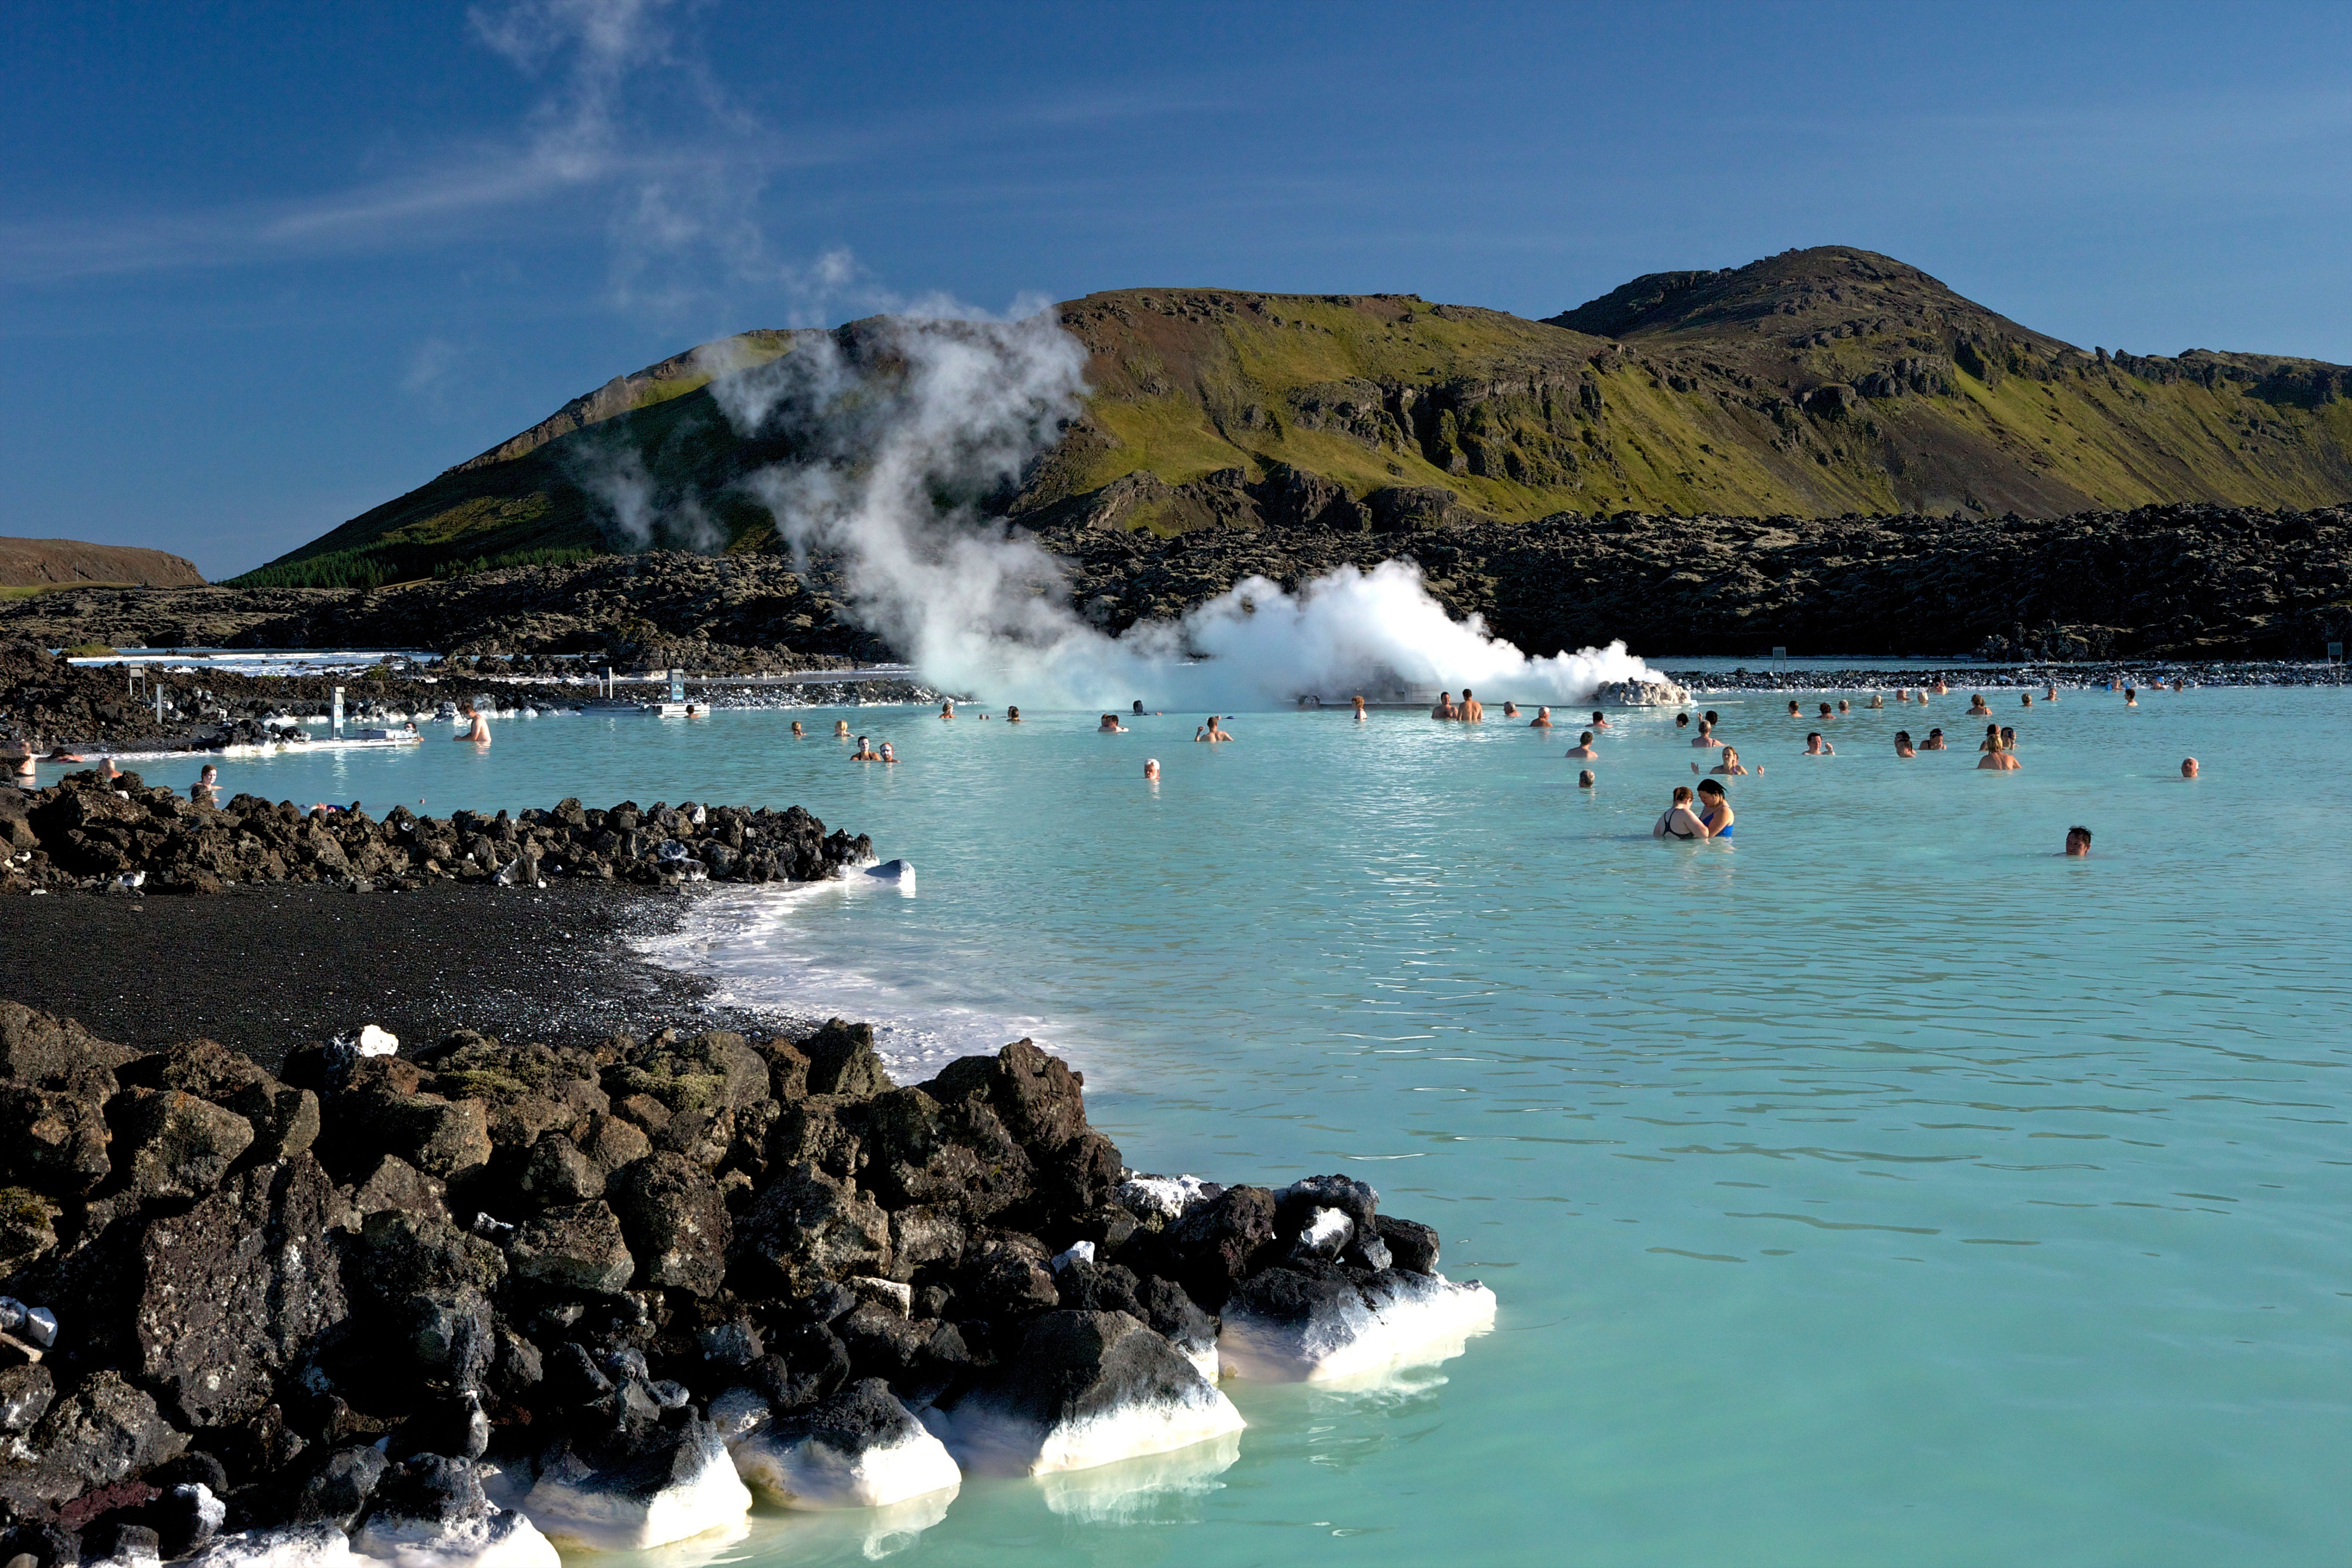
906	434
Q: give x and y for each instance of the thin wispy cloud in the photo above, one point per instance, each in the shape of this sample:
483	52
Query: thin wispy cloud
629	135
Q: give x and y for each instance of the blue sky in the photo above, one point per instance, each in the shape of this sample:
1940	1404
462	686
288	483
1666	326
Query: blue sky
262	266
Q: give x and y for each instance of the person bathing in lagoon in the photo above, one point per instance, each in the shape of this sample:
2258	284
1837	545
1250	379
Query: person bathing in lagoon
1991	742
841	731
2189	767
1584	779
1934	743
1827	716
2049	693
481	732
2028	698
1795	711
947	709
1817	747
205	791
865	753
1582	751
19	765
1473	711
1680	819
1682	721
1977	708
1542	720
1510	709
1111	725
1600	719
1714	720
1730	766
1903	746
2078	844
1013	714
1942	690
1705	736
1998	761
1151	770
2131	697
1209	731
1444	709
1902	696
1844	708
1360	710
2008	738
887	754
798	733
1714	809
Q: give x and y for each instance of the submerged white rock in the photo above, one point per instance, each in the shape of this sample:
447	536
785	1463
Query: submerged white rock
675	1497
303	1546
858	1450
1282	1326
503	1539
1086	1389
1157	1487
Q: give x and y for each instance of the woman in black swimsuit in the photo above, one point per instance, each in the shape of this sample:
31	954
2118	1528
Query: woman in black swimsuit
1679	821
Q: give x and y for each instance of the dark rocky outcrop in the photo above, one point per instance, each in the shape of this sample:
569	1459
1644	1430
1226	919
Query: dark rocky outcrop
622	1274
90	832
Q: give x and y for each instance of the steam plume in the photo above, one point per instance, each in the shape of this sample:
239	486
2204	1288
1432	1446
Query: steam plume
901	439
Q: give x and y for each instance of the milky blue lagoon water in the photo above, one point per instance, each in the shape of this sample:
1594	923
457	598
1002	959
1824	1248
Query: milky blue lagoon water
1877	1188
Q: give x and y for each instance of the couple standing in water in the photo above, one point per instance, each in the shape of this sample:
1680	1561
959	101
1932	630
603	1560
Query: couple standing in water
1708	815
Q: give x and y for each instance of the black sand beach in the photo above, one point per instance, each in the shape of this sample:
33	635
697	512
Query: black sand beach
267	969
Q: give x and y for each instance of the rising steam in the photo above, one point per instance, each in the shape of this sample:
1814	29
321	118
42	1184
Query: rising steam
903	437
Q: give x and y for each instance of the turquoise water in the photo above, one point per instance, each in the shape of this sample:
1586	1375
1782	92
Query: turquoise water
1880	1187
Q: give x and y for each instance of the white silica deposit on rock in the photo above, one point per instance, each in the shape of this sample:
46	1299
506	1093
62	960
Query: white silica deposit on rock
858	1450
503	1539
1086	1389
1652	693
574	1507
1283	1327
1169	1197
304	1546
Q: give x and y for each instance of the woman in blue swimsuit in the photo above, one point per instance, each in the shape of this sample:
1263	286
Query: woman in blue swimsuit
1714	809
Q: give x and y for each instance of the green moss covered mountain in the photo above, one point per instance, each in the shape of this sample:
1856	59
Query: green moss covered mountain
1813	384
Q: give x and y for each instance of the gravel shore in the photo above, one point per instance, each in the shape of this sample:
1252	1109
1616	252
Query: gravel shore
266	970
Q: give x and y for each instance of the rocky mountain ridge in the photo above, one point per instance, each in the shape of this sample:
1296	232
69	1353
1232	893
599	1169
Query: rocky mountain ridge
1816	383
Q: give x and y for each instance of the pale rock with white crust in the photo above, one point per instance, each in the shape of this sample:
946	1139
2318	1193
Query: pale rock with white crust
1086	1388
1284	1325
859	1448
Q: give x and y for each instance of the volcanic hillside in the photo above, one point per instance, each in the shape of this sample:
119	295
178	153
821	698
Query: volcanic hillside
1815	383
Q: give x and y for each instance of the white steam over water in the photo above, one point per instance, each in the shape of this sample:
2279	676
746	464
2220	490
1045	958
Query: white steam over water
902	436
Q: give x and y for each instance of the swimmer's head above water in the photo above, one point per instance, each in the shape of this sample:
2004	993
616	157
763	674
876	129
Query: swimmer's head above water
2189	767
1151	769
2078	843
1584	780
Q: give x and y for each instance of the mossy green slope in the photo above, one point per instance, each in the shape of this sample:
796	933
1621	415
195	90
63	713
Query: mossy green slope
1813	384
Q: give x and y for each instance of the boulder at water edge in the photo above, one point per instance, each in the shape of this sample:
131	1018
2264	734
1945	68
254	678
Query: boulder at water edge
858	1450
1086	1388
